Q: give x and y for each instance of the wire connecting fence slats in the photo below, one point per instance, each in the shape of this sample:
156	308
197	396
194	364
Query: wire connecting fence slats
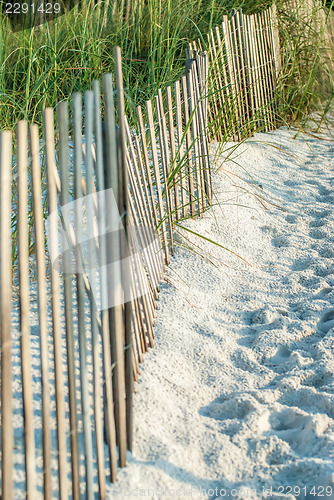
107	195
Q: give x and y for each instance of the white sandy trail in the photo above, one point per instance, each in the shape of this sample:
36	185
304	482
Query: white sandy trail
239	389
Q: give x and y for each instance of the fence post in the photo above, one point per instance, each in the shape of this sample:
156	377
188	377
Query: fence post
62	112
7	436
101	160
42	306
55	299
115	280
29	432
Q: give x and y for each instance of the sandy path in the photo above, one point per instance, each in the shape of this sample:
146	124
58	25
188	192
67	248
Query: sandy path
239	390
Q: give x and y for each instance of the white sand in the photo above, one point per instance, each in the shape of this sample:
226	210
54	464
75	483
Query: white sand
239	389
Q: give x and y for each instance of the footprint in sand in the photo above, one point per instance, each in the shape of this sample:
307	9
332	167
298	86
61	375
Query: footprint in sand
319	381
293	219
282	355
263	316
327	252
323	293
318	213
281	241
231	406
291	183
300	430
318	223
318	234
326	322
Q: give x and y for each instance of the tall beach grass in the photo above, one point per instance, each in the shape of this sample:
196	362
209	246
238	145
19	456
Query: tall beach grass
42	65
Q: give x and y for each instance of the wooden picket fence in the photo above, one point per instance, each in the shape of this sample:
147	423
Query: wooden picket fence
68	366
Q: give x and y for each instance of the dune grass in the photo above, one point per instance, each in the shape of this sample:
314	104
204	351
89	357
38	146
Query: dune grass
41	66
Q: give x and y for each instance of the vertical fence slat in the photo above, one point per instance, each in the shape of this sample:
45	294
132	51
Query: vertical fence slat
228	90
194	78
206	170
221	76
258	73
238	71
271	65
115	280
138	266
147	203
264	58
276	42
99	369
249	71
189	165
195	174
62	114
89	118
157	177
139	197
253	69
42	306
244	83
142	233
180	153
127	306
206	85
164	152
215	112
232	75
23	257
146	162
55	300
170	118
101	185
269	82
7	437
259	53
218	80
80	289
255	63
147	169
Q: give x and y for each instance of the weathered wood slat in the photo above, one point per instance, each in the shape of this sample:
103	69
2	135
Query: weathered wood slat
140	197
171	133
23	257
206	169
246	40
230	126
100	178
7	437
157	178
165	156
142	233
233	31
180	156
115	290
232	75
214	106
42	306
92	265
55	301
148	176
123	200
262	114
190	192
62	115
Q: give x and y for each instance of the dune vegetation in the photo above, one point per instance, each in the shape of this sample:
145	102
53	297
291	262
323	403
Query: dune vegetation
42	65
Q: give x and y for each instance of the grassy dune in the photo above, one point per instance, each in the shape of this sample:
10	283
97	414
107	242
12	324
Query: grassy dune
39	67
